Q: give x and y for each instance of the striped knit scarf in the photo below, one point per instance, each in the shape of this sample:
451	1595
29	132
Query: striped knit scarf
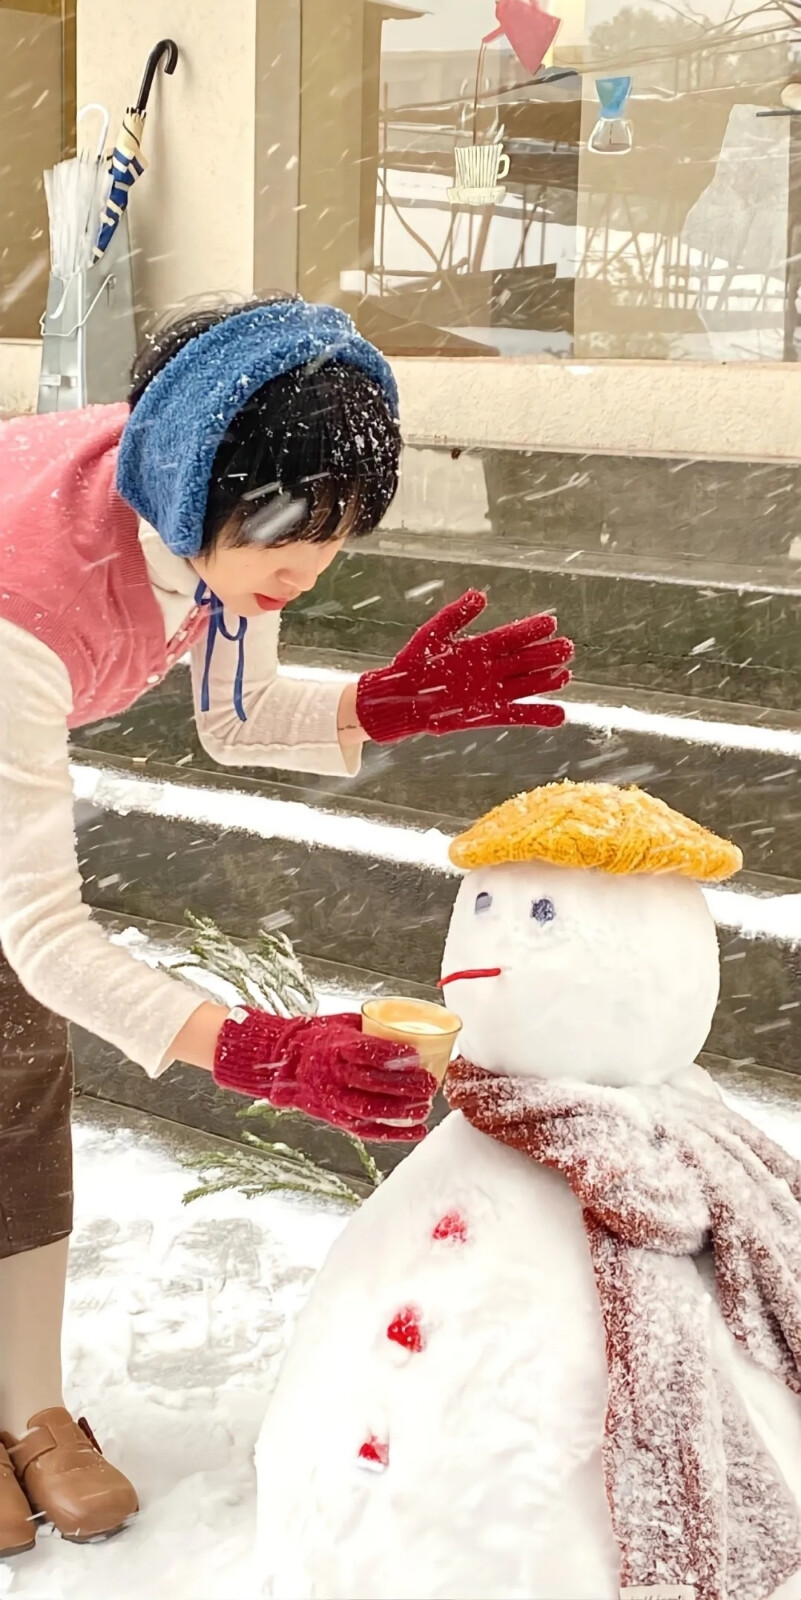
698	1507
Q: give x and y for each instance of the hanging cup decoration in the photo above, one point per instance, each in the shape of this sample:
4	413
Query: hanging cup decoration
481	168
612	135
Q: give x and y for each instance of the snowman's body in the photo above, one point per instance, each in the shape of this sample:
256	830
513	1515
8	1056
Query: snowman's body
455	1332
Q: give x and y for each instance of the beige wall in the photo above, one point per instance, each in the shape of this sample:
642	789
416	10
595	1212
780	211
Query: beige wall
217	210
748	411
19	375
192	214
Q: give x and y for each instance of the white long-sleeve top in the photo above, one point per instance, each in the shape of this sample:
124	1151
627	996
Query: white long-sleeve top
62	957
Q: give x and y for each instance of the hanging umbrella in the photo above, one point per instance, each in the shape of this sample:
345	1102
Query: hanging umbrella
127	161
76	193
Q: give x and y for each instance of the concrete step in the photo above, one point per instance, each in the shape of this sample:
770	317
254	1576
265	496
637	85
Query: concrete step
686	627
371	885
736	769
650	511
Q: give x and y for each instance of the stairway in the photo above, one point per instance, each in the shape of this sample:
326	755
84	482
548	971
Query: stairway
684	597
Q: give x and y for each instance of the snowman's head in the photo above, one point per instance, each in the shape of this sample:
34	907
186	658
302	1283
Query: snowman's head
581	945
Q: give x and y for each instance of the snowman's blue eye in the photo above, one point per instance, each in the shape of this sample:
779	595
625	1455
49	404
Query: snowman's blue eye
483	902
543	911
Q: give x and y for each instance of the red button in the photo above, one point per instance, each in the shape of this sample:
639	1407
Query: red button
406	1331
452	1226
374	1454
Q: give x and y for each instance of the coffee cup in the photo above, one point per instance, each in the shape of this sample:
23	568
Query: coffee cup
480	168
428	1028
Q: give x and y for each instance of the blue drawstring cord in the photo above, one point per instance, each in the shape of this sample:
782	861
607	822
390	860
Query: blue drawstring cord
204	597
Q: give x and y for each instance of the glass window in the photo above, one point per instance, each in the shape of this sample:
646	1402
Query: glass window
613	180
37	128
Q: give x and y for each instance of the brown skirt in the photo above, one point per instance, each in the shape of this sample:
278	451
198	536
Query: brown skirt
35	1106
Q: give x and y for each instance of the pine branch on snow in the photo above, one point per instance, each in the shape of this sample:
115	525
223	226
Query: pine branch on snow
266	1169
272	977
277	1119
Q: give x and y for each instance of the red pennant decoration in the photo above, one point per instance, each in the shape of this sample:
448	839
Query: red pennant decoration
530	30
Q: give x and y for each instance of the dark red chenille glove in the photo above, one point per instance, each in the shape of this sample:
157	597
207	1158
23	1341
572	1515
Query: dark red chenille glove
444	682
326	1067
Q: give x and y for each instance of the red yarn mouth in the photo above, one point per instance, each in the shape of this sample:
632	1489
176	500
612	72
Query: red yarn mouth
478	972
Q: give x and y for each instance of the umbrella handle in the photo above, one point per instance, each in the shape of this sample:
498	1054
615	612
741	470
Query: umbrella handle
165	47
95	105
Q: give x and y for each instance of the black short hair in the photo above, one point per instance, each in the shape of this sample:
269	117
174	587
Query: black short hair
314	453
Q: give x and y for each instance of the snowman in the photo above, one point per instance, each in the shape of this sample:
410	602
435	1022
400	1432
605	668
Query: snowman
557	1355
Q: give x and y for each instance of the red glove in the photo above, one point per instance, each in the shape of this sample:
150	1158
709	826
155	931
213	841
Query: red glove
441	683
326	1067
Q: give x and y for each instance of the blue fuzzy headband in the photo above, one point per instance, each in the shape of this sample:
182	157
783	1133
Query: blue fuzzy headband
169	444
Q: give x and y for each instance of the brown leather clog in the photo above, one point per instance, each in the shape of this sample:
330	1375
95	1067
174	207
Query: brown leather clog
68	1480
17	1521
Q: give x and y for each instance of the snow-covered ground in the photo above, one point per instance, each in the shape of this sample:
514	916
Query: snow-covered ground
177	1321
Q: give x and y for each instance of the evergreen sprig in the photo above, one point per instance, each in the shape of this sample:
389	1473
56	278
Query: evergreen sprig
267	974
271	976
266	1169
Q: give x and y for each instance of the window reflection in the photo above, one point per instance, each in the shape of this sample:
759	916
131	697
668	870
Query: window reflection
607	181
37	128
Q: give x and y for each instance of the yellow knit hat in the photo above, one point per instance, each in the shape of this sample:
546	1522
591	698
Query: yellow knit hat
596	825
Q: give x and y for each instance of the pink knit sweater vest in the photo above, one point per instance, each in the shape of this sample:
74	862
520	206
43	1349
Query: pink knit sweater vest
72	570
